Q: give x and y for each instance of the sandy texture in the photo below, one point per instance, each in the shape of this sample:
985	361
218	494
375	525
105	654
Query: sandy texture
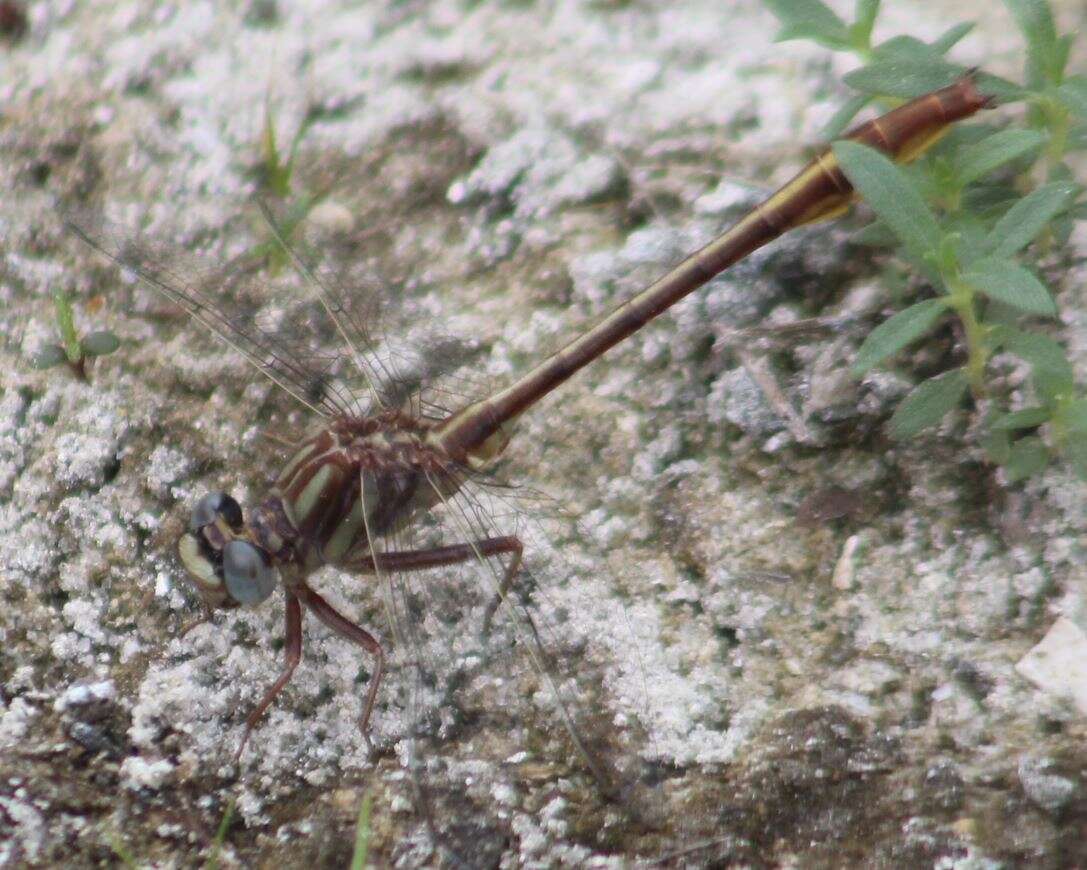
796	640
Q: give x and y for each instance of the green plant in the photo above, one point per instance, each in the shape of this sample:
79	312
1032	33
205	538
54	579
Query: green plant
124	854
972	218
275	175
220	836
72	350
362	833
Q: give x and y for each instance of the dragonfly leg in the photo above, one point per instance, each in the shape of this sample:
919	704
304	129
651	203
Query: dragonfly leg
409	560
359	636
435	557
504	585
207	616
293	657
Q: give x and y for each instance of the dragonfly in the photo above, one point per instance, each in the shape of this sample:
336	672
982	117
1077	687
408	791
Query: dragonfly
375	463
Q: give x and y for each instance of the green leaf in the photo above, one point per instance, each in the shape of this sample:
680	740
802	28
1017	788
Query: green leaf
296	144
62	306
928	403
876	235
1035	20
1000	89
969	231
275	179
1008	282
866	13
788	34
903	49
947	40
1075	451
809	19
843	116
896	332
996	444
99	343
1073	93
1049	365
1027	418
49	356
1028	456
903	79
1073	415
1060	57
892	196
1029	216
1036	23
993	151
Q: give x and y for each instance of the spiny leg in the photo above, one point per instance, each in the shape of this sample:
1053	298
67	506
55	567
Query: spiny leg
403	560
358	635
453	554
293	657
504	585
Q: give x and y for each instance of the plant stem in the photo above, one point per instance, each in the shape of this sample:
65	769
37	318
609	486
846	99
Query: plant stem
962	302
1058	122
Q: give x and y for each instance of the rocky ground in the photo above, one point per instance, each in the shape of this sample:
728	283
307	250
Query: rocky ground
796	641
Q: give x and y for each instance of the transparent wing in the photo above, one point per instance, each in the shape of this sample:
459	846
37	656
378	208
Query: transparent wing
495	690
527	635
385	332
324	344
540	617
432	661
227	300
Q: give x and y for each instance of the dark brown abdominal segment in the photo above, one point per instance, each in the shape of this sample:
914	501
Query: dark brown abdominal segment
908	131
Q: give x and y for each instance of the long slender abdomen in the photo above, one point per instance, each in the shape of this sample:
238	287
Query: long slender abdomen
818	192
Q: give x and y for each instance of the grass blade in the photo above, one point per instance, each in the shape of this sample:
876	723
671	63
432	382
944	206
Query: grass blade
362	833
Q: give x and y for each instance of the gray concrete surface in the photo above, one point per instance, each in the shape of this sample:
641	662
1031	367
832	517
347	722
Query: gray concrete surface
776	692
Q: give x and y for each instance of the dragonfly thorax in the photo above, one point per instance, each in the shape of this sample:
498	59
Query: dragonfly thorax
359	477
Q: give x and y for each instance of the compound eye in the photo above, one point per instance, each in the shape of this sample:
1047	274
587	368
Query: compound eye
247	572
211	507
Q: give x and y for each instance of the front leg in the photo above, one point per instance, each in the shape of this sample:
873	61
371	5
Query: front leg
358	635
393	561
293	657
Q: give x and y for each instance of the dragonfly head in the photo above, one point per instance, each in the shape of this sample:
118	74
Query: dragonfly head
227	567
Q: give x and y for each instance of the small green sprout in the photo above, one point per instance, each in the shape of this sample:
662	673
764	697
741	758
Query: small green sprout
220	836
72	350
362	833
275	177
122	851
276	174
124	854
969	217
